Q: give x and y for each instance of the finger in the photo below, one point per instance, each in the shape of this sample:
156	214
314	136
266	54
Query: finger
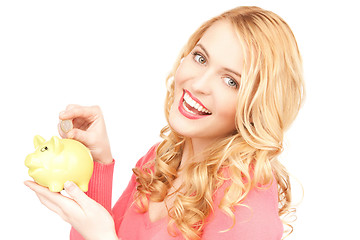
49	204
75	111
43	191
46	197
79	135
71	106
75	192
63	206
34	186
68	107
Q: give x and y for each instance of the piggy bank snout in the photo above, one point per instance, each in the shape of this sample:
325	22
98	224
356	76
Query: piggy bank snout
33	162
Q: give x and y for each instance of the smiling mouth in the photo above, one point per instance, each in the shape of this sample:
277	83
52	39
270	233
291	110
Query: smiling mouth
192	108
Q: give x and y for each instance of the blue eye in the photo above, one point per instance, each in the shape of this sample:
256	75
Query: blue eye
199	58
230	82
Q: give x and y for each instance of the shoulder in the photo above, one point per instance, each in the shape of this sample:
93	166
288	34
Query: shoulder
150	155
255	218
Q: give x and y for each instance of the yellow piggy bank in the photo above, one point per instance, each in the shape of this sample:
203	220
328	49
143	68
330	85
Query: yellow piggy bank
59	160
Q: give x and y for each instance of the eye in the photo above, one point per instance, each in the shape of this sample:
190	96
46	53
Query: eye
230	82
44	149
199	58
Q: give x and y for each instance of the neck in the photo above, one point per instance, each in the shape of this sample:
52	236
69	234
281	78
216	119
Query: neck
193	147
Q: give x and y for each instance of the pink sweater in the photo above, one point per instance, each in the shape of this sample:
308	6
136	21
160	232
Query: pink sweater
260	221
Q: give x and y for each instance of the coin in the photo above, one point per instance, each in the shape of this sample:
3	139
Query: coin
66	125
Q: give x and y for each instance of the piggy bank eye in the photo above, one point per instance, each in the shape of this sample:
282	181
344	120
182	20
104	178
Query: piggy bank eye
44	149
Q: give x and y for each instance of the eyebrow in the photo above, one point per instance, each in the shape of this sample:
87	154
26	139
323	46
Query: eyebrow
203	48
208	56
232	71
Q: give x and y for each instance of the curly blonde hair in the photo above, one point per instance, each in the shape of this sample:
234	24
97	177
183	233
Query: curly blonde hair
269	98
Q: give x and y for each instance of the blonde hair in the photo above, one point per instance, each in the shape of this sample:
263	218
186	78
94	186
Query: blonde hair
270	96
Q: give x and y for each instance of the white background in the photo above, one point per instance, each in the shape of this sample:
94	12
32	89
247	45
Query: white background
116	54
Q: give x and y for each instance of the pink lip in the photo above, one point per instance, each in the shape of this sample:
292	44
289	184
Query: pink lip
186	113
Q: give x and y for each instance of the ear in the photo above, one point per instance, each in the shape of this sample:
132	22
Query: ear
38	140
56	145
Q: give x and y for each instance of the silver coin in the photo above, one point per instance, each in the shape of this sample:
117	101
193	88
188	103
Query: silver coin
66	125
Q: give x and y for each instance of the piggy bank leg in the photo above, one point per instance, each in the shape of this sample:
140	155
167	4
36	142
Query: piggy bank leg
56	187
83	187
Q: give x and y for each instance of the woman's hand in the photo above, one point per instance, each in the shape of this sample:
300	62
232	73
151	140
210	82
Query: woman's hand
89	129
88	217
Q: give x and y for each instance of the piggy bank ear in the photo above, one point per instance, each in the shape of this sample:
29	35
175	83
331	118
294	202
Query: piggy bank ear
38	140
56	145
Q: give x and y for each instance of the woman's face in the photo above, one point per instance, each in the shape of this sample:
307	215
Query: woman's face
206	86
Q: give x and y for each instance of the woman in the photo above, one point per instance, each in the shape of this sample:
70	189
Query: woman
233	92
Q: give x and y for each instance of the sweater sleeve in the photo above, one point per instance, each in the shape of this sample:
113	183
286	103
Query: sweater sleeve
100	186
256	219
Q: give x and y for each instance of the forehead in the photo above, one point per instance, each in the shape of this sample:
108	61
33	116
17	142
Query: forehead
223	44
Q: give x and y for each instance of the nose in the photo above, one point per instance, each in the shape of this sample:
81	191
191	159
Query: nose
202	83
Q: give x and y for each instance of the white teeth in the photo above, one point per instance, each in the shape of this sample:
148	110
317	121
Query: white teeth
188	109
194	104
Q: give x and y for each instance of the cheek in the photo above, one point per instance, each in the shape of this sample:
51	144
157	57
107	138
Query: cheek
179	77
185	71
227	109
229	114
